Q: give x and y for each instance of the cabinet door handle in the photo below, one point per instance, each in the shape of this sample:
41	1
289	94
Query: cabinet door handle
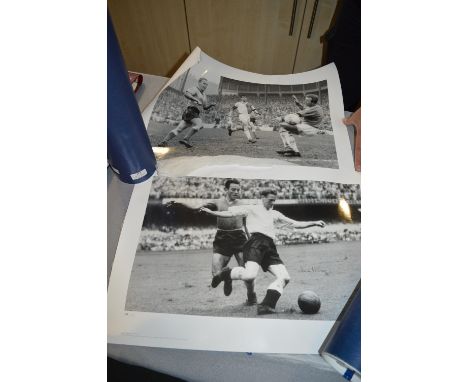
312	19
293	18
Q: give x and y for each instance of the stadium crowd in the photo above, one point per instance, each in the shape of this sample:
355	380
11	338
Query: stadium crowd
171	104
167	239
176	239
200	188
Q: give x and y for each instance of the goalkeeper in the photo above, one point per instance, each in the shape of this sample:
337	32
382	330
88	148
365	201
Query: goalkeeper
312	116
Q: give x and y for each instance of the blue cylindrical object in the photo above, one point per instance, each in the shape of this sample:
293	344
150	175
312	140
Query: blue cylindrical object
342	348
129	150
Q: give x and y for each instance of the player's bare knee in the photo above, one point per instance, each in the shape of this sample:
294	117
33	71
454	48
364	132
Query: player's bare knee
249	276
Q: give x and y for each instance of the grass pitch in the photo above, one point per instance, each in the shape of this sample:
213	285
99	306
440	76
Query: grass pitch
318	150
178	282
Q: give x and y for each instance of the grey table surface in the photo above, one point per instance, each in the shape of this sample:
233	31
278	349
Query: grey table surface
195	365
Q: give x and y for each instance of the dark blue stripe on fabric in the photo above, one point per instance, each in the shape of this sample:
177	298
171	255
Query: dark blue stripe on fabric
128	146
346	341
348	374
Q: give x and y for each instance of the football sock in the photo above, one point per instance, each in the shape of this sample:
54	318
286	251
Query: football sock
250	285
271	298
189	134
169	137
226	274
284	138
252	130
292	143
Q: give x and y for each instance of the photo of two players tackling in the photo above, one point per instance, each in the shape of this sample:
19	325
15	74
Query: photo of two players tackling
264	239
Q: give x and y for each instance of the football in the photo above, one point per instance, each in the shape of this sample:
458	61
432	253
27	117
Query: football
292	119
309	302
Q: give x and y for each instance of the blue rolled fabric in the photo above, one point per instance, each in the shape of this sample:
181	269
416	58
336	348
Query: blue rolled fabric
342	348
129	150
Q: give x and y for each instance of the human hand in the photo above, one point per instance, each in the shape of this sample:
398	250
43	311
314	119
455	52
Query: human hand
355	120
320	223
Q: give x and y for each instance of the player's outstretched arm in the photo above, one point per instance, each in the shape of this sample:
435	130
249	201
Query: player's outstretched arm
301	225
215	213
296	101
173	203
298	224
223	214
317	223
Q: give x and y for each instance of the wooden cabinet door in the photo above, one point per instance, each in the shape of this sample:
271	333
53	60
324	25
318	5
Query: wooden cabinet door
317	18
152	34
256	35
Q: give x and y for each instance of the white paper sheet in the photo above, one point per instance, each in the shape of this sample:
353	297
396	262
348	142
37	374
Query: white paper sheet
200	160
160	329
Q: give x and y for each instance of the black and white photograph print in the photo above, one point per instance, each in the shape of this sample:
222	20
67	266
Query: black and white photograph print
205	113
247	248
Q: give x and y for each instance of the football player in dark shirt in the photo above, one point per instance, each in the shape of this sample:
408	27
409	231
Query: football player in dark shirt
191	115
311	115
230	235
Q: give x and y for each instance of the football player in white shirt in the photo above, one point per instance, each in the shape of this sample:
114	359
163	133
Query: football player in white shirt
245	110
191	115
260	250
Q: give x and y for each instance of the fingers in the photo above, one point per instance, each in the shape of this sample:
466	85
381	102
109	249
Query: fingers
350	121
357	149
355	120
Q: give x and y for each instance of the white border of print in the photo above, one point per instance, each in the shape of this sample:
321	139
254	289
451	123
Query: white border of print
209	67
194	332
